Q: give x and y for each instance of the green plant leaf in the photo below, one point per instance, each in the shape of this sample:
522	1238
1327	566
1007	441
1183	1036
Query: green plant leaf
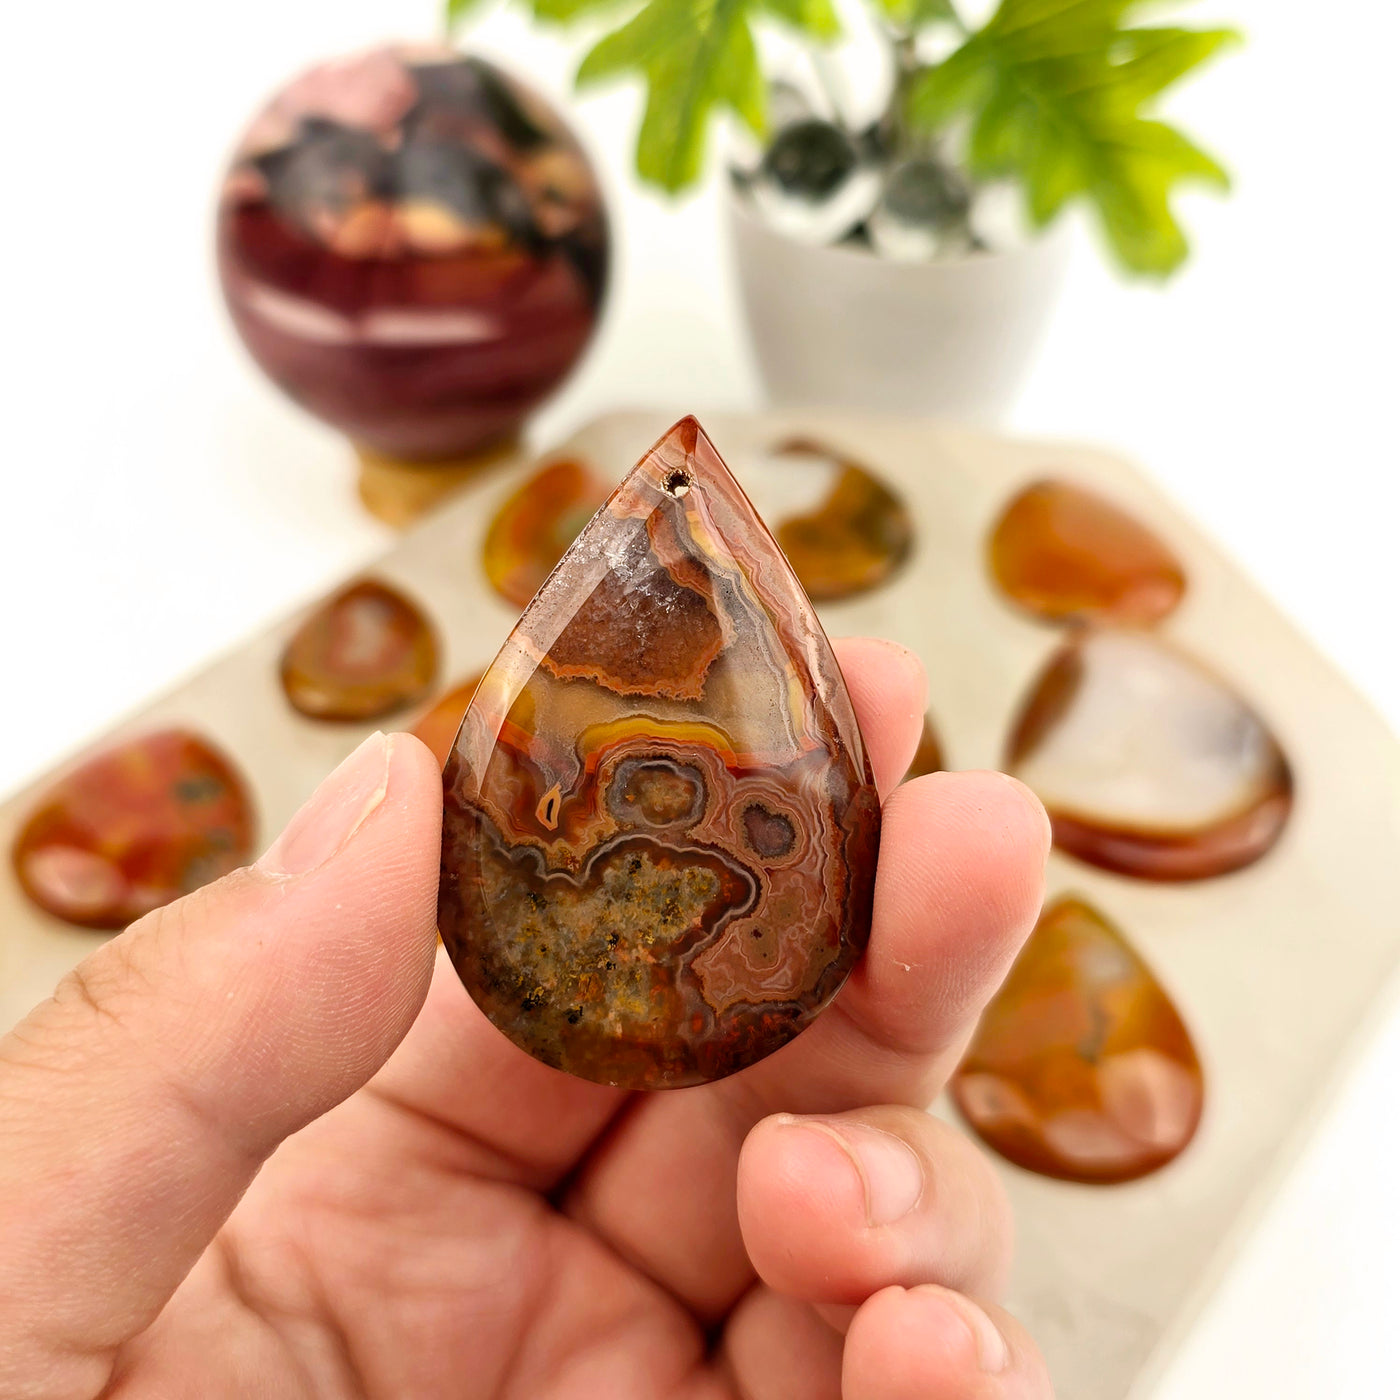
457	10
815	18
696	56
910	15
1053	92
566	11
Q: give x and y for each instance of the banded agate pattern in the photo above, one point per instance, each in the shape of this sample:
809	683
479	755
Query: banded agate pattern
660	824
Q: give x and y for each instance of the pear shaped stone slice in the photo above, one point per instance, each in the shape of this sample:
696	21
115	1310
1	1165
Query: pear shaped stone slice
660	825
1081	1067
1064	553
133	828
1147	763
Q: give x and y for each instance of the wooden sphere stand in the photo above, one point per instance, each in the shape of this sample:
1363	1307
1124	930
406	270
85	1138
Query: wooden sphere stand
399	492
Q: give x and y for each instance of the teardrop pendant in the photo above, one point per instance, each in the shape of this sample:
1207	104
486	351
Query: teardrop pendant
660	824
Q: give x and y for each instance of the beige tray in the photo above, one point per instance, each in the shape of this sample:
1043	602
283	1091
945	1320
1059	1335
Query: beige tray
1273	967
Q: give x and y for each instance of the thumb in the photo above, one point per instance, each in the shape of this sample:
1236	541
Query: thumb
137	1104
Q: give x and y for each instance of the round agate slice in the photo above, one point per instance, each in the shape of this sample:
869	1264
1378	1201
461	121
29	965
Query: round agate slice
1147	763
366	652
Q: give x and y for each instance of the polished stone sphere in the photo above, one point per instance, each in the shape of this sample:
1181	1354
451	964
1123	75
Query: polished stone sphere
414	247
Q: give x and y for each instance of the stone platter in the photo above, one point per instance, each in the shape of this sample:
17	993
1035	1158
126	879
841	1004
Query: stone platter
1275	968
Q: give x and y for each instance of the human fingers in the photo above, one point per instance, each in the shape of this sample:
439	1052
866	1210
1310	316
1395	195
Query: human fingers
137	1104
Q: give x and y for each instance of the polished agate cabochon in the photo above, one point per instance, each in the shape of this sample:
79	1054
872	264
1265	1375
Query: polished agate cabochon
1081	1067
660	826
850	535
366	652
844	531
1147	763
413	246
133	828
1062	552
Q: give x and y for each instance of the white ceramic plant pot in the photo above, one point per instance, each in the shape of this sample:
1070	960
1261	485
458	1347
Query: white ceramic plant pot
843	328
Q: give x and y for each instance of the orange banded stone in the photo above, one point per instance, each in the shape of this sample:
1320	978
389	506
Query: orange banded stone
855	539
366	652
537	523
1081	1067
660	825
1147	763
438	727
1063	552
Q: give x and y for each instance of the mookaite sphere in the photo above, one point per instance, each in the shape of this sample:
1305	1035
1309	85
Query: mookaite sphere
414	247
660	827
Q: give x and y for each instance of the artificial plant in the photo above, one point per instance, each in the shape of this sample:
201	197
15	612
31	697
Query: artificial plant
1053	94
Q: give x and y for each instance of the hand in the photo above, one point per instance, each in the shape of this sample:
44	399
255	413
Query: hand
222	1174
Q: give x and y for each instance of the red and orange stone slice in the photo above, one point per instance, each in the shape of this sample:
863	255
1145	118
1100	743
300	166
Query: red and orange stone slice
660	826
1064	553
1149	764
1081	1068
133	828
365	653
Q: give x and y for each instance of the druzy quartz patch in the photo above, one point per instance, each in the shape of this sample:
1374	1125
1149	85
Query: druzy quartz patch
660	825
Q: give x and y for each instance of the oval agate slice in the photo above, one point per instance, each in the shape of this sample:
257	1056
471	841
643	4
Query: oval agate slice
1081	1067
1063	553
1147	763
133	828
660	825
366	652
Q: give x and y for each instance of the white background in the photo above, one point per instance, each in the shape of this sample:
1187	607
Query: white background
160	502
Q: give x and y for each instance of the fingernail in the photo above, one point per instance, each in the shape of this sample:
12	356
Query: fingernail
993	1354
334	812
891	1175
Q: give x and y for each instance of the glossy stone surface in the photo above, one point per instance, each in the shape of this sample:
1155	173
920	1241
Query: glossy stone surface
413	246
846	533
858	535
537	523
438	728
1062	552
1147	763
928	757
660	827
1081	1067
365	653
133	828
